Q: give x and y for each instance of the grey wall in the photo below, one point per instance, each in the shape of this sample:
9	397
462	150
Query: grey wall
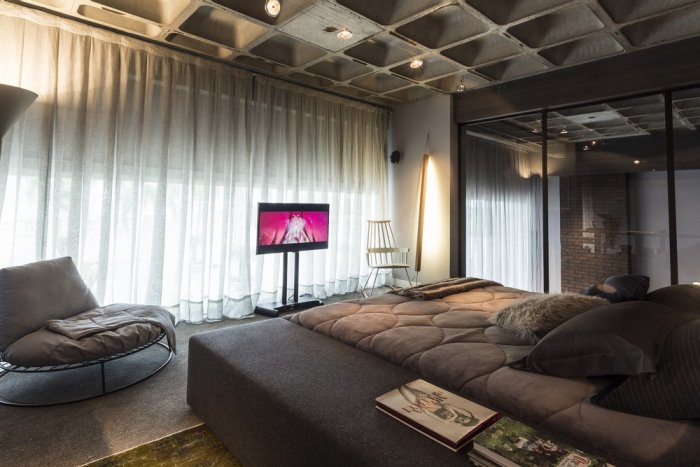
411	124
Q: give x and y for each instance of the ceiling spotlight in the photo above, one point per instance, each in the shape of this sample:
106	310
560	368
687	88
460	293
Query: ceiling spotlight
416	63
272	7
593	143
461	87
345	35
538	128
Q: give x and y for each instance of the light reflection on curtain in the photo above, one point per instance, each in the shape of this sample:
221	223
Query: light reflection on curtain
503	202
145	165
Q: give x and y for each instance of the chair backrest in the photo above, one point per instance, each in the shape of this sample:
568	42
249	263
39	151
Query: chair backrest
34	293
381	245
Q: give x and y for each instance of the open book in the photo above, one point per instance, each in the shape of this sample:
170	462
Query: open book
445	417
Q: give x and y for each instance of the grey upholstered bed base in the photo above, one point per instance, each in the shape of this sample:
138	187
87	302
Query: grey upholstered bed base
277	394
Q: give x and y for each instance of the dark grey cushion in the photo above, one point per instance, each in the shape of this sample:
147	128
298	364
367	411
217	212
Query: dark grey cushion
680	297
620	288
34	293
672	392
617	339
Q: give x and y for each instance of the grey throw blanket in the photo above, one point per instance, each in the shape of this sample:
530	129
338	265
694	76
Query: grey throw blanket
443	288
113	317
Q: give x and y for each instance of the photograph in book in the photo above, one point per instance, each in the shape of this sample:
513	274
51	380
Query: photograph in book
446	417
511	443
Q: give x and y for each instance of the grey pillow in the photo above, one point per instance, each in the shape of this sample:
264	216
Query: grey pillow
672	392
618	339
533	317
34	293
620	288
680	297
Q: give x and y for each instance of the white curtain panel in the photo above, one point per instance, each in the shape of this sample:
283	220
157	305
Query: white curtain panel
503	214
146	166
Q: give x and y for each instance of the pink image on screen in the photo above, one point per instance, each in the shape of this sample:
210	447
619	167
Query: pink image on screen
286	227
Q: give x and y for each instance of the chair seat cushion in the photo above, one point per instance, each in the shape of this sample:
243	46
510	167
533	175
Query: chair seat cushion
48	348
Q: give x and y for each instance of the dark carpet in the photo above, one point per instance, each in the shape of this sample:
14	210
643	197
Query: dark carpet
78	433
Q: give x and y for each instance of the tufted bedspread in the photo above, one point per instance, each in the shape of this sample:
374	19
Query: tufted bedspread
450	342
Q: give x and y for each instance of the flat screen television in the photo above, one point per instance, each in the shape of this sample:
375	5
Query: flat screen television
289	227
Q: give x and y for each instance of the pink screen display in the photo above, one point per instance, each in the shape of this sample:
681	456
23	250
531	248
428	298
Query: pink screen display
287	227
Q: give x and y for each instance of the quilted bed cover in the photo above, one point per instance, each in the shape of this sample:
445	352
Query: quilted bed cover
450	342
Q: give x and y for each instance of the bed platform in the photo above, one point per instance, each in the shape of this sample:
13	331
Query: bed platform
300	391
277	394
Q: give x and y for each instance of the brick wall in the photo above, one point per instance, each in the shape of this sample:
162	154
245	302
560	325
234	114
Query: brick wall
598	249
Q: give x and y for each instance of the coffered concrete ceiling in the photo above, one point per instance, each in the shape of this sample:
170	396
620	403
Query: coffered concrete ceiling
622	118
472	42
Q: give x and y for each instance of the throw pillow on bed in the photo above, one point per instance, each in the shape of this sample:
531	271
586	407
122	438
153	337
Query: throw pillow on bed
617	339
670	393
533	317
680	297
620	288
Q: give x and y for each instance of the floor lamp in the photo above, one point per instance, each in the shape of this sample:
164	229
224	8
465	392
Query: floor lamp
13	102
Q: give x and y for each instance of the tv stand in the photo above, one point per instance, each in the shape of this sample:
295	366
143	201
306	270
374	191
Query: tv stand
296	302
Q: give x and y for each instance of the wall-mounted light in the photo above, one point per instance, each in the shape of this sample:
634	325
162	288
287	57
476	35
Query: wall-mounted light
345	34
563	130
637	162
272	7
416	63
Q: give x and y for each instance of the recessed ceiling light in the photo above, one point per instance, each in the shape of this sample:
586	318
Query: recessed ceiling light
345	35
416	63
272	7
636	162
461	87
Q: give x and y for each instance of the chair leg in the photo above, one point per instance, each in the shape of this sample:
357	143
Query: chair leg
369	276
408	277
104	386
364	287
376	274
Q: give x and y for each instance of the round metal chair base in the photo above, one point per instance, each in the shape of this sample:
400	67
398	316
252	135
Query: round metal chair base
65	384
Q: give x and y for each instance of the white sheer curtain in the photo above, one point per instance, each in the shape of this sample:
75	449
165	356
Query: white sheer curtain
145	165
503	215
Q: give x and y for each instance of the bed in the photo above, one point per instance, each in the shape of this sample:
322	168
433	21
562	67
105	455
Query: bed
309	383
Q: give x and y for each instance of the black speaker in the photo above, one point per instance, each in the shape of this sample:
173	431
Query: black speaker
395	157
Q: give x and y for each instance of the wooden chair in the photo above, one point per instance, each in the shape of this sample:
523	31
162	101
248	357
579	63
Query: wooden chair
382	252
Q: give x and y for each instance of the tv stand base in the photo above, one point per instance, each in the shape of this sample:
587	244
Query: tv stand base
273	309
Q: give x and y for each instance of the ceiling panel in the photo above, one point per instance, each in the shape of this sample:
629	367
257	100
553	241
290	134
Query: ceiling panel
463	44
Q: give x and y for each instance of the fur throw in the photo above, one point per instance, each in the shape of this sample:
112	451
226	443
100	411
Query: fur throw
533	317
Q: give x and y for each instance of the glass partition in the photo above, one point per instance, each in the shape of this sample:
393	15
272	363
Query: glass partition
686	122
501	176
607	197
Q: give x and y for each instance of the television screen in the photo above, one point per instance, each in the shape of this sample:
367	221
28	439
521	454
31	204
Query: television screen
292	227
